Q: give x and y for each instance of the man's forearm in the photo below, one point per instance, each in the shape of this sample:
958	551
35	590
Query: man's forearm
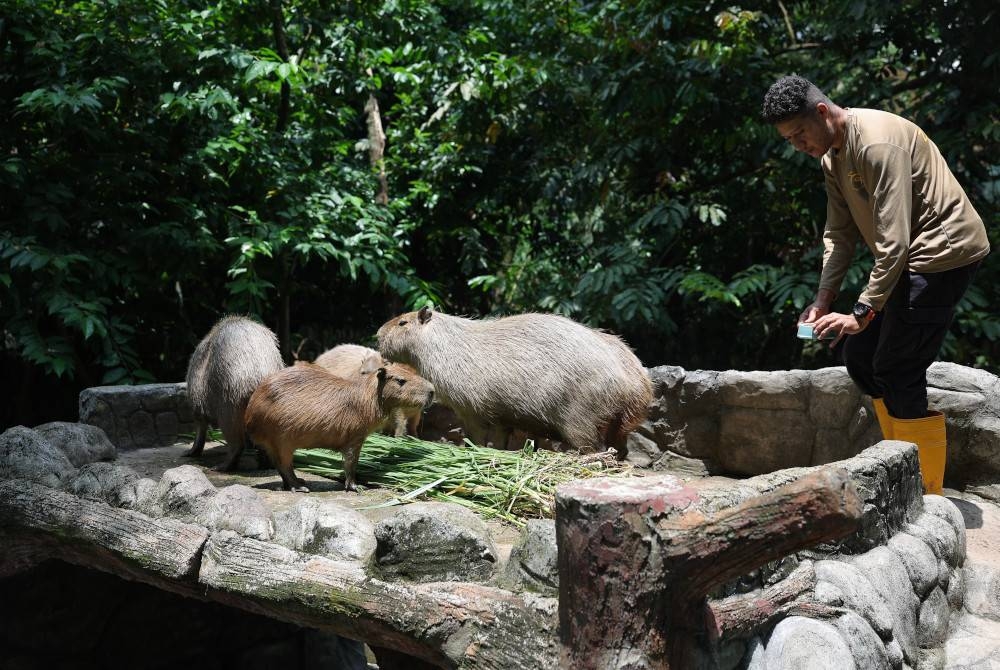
824	298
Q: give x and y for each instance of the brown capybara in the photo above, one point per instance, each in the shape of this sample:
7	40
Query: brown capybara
542	373
306	407
350	361
223	372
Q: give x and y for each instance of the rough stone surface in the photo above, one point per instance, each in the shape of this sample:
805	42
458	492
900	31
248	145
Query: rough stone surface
858	593
797	643
900	575
866	647
183	492
134	417
109	482
26	454
238	508
833	398
932	624
786	389
642	451
327	529
886	574
533	563
429	542
919	560
80	442
756	440
943	536
982	596
946	510
974	644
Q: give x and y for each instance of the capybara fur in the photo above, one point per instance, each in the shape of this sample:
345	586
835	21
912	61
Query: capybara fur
350	362
306	407
541	373
223	372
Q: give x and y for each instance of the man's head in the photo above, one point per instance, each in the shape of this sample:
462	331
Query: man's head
803	115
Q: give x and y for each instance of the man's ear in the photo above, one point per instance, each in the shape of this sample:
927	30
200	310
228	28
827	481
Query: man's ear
822	109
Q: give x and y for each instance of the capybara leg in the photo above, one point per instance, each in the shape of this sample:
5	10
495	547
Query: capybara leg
413	424
233	458
263	460
236	439
476	432
398	423
351	465
199	439
289	481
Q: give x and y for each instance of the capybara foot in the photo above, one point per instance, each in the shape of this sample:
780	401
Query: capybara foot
300	488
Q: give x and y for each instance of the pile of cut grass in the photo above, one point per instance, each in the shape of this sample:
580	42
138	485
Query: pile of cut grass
511	485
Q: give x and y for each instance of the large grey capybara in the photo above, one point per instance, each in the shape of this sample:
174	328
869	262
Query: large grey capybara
350	361
307	407
542	373
223	372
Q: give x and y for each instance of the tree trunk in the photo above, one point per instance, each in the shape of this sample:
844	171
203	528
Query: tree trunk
376	146
445	624
640	553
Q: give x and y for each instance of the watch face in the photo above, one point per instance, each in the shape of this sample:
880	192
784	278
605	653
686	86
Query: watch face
861	310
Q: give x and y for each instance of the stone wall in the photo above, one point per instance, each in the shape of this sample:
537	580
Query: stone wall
750	423
133	417
731	422
886	592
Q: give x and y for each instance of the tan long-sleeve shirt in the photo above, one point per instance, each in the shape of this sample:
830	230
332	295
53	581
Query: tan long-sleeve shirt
890	186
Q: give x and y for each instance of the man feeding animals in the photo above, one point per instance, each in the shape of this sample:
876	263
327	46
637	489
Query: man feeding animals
888	185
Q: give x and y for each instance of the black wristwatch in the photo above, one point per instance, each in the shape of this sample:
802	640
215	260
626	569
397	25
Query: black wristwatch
863	313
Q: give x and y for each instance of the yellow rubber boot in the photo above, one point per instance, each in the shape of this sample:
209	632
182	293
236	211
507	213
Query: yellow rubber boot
884	420
931	439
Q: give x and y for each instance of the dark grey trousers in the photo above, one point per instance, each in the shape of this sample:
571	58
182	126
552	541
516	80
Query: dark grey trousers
889	358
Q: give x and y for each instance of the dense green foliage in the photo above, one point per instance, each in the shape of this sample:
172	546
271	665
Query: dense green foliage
163	162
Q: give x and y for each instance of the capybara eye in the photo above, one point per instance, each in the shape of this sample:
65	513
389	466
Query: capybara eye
400	381
402	322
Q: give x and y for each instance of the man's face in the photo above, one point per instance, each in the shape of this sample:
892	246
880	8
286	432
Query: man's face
810	133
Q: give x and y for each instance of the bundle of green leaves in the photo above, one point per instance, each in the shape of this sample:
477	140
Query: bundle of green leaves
510	485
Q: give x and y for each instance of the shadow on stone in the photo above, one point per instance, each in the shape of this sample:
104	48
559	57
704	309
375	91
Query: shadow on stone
972	515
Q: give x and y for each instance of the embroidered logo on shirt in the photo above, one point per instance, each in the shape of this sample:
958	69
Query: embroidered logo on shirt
856	180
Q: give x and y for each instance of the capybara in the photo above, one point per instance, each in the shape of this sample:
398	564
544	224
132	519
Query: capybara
223	372
542	373
349	361
306	407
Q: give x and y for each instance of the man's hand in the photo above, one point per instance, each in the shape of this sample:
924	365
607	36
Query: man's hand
813	312
838	324
819	307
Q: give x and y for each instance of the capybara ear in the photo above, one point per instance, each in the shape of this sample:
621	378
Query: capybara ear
370	364
381	376
424	315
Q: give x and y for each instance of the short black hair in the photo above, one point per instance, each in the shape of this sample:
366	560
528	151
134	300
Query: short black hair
789	97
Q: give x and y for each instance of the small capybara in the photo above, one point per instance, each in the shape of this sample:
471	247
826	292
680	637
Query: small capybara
223	372
542	373
306	407
350	361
